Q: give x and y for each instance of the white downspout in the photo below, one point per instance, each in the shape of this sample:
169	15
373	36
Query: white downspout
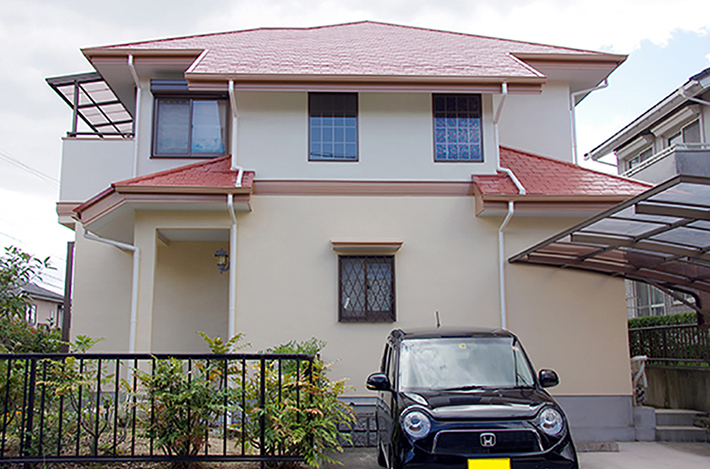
235	122
573	118
509	215
134	287
702	114
501	263
231	327
136	119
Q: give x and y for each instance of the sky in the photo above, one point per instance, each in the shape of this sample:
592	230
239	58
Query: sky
667	42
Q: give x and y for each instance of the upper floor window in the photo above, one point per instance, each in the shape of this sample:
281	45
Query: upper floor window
189	127
457	127
332	126
688	134
640	158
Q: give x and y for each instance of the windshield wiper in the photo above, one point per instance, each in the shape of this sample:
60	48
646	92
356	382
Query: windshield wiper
469	387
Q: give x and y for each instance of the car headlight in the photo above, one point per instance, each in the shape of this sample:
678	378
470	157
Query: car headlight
551	421
416	424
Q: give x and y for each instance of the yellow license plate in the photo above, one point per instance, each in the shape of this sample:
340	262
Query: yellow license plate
501	463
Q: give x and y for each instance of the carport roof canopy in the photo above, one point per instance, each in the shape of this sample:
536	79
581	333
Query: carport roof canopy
660	237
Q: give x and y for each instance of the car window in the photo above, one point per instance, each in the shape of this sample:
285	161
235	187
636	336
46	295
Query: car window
462	363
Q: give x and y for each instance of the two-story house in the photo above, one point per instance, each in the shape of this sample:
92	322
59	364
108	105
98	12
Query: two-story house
339	182
672	137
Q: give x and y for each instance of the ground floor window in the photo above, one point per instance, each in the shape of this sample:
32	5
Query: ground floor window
366	288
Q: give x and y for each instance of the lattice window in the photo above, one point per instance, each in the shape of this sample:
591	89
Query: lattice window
457	127
366	288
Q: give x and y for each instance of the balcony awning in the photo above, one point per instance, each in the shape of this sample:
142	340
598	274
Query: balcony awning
660	237
95	104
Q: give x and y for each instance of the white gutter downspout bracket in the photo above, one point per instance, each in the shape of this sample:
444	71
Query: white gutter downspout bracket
134	286
509	215
136	119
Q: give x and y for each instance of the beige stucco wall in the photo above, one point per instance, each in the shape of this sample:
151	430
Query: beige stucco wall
571	321
101	302
287	285
190	295
448	263
539	123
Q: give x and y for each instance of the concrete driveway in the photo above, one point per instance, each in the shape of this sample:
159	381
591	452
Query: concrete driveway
629	456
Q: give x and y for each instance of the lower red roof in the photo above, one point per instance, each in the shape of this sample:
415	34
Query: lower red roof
541	175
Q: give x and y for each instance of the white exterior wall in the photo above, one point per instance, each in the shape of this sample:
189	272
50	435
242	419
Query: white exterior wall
89	166
539	123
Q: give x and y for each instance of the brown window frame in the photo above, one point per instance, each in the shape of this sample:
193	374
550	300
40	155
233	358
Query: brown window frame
368	316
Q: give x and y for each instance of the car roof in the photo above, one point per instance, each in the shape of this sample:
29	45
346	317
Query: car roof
399	334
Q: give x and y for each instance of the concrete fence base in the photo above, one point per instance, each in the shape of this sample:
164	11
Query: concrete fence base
678	388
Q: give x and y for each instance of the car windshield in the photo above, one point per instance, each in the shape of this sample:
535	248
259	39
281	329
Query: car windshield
463	363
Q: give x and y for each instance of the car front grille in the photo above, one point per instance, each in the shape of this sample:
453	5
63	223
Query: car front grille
464	442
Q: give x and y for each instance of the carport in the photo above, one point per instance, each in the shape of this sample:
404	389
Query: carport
661	237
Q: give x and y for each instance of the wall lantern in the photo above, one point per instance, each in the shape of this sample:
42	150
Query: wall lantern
222	260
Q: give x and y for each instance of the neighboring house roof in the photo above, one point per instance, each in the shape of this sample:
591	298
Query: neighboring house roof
696	85
39	293
548	180
359	49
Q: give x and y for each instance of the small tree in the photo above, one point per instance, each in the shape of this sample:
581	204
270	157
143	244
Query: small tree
17	270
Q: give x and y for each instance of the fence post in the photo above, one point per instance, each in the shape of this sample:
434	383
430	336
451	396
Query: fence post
30	407
262	405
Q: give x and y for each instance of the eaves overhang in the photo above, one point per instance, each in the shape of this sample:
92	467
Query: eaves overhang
160	198
660	237
576	206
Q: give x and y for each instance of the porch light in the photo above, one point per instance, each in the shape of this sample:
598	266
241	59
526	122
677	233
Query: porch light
222	260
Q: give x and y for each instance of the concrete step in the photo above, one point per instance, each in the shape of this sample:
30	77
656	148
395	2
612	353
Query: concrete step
681	434
675	417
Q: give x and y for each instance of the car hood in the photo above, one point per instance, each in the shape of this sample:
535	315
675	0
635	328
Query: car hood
480	404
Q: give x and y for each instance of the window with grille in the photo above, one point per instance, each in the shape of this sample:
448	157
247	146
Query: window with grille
332	126
457	127
366	288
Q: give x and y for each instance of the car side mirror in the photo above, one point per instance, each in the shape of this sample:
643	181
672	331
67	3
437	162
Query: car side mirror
378	382
548	378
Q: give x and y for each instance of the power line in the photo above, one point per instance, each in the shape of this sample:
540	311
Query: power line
4	155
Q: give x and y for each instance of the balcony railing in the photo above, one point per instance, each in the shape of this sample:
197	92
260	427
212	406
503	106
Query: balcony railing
140	407
665	153
686	344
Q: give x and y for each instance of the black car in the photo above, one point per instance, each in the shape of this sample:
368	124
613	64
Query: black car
467	400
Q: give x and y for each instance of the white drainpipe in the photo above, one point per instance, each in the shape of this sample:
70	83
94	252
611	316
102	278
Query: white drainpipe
573	118
235	122
136	119
134	287
231	327
509	215
702	114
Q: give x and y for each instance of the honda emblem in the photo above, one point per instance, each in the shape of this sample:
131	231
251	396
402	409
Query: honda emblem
488	440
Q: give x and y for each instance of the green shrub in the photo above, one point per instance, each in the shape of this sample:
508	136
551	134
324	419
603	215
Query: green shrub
668	320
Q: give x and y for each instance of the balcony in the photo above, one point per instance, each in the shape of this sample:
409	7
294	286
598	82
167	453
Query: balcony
685	158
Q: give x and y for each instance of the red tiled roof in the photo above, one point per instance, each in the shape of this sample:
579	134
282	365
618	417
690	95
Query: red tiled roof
541	175
211	173
363	48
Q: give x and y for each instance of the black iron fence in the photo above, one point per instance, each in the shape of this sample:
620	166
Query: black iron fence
686	345
143	407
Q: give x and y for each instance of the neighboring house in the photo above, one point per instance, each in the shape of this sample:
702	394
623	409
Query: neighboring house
360	177
672	137
45	306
